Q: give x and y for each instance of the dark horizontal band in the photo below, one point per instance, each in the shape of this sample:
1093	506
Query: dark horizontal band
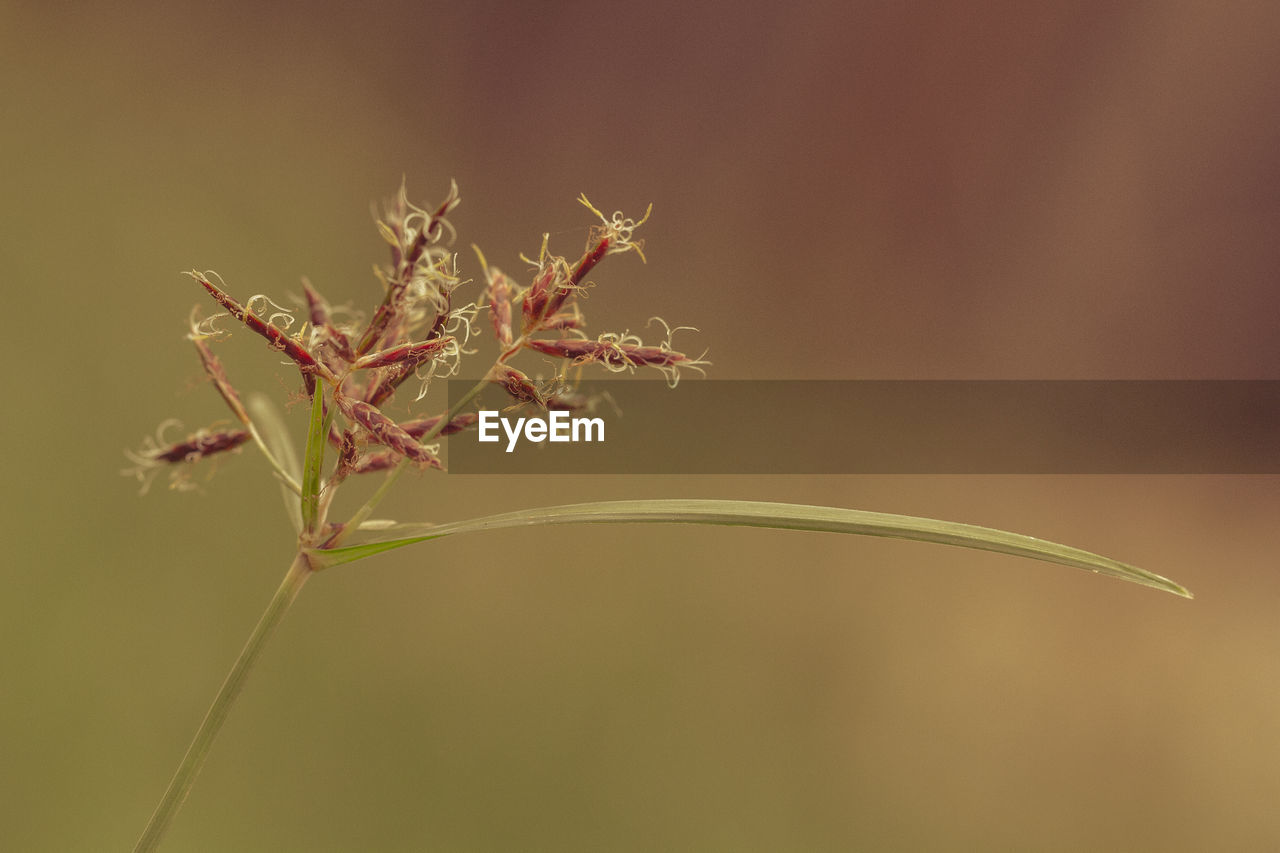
897	427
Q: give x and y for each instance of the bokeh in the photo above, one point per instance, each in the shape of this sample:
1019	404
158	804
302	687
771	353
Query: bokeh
841	190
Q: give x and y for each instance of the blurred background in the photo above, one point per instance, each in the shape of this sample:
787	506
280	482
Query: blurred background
841	191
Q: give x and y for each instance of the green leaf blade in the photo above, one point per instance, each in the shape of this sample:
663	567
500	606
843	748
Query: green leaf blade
313	461
770	515
280	453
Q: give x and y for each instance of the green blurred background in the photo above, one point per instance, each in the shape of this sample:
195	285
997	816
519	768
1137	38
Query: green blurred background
841	190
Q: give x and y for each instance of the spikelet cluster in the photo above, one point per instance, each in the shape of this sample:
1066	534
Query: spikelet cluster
418	331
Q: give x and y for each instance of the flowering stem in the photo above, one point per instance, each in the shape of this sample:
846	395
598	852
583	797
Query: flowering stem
193	761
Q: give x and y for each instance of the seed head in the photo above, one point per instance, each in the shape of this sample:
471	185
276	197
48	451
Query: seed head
157	453
266	328
407	356
516	384
421	277
386	431
499	299
613	236
421	426
420	329
623	352
213	367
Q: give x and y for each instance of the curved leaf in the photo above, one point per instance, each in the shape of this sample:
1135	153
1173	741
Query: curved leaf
280	446
761	514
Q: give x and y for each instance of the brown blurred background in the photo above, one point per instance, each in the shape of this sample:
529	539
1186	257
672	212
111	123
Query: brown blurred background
840	190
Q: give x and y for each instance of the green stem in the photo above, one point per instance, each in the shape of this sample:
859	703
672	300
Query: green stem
193	761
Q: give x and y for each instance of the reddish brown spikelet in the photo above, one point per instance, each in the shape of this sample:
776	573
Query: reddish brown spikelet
404	260
406	355
500	307
535	299
609	352
386	431
388	381
582	351
643	356
444	306
585	264
318	309
347	452
563	321
201	445
396	372
432	230
420	427
381	319
381	460
213	367
588	260
516	384
278	339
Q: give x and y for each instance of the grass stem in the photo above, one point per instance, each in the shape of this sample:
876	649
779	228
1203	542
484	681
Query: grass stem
193	761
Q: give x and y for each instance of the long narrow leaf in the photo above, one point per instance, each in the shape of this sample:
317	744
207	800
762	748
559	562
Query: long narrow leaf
314	460
760	514
276	436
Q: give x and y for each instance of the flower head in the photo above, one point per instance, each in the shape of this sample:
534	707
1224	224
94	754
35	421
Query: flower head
158	452
419	328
